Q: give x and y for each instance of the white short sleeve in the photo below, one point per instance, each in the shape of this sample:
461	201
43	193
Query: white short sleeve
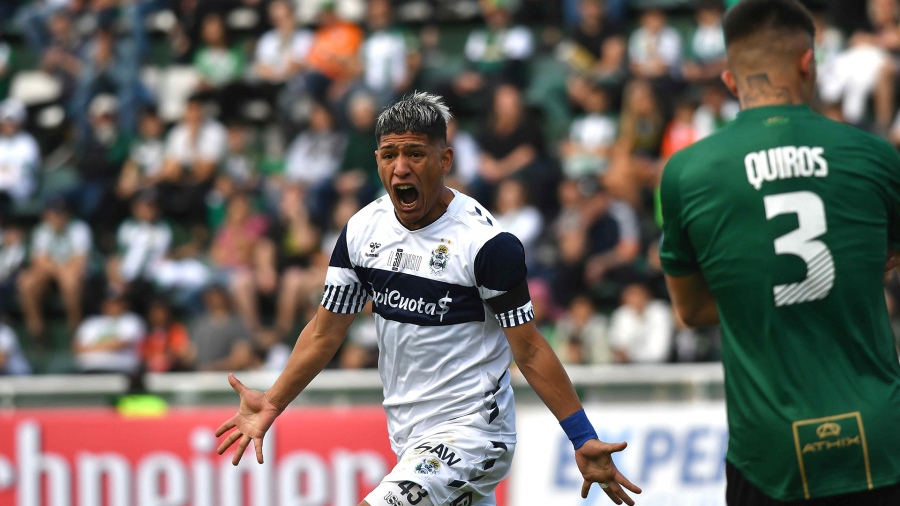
79	238
344	292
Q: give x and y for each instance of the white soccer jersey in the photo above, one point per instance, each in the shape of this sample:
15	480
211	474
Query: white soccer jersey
440	296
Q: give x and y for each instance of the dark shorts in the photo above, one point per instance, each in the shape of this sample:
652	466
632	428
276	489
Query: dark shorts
741	492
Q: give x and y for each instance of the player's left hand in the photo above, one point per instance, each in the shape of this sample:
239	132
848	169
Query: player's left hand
595	462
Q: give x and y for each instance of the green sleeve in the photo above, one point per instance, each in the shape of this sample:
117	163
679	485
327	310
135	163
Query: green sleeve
675	250
199	61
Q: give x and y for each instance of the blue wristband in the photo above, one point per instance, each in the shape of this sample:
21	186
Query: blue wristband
578	429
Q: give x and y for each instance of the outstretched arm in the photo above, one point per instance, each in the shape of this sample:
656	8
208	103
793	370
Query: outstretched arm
546	375
316	345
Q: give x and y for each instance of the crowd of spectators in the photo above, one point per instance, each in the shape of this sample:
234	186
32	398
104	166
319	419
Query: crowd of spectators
198	240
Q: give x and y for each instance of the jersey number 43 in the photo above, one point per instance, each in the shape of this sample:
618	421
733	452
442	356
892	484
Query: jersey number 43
803	243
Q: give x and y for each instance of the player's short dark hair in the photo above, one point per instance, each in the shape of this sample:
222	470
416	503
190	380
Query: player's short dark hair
750	17
419	113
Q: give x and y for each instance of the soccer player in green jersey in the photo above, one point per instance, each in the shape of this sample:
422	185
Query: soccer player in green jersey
778	227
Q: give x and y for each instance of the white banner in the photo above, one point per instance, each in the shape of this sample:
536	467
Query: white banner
676	454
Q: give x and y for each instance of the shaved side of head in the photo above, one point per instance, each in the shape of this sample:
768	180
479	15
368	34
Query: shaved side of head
768	41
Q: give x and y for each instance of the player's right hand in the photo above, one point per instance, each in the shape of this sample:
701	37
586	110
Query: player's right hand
594	460
254	417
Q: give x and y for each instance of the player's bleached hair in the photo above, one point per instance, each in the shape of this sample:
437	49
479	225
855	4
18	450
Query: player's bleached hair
419	113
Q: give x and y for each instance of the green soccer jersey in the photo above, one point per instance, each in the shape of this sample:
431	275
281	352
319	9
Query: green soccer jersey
789	215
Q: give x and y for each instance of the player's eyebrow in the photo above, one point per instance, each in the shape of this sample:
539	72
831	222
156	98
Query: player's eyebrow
405	145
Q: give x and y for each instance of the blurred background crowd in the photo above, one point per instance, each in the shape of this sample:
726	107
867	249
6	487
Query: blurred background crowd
174	173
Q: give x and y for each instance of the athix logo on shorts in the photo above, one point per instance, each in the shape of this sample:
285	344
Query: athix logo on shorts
395	299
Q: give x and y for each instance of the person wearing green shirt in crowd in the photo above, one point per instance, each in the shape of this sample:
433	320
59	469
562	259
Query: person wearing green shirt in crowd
778	227
221	66
218	63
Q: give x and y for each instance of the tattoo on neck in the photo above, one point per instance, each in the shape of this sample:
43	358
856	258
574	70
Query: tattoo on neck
760	91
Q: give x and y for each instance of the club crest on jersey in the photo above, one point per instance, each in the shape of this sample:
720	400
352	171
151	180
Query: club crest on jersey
428	465
439	258
372	247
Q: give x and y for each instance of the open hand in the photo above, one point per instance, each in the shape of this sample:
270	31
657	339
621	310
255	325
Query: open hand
595	462
254	417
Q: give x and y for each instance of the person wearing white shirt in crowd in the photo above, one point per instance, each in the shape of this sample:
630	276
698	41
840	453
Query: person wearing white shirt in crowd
315	155
654	49
281	52
60	248
387	57
194	148
146	156
194	145
519	216
12	360
109	342
511	42
706	48
641	328
591	136
143	241
20	156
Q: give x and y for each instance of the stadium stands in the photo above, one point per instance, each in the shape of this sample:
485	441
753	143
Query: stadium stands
597	94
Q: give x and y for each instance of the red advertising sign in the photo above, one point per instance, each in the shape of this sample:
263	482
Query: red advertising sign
95	457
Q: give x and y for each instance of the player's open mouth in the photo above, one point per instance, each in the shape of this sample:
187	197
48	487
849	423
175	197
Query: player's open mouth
407	195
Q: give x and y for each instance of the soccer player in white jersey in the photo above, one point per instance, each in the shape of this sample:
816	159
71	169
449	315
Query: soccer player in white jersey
451	303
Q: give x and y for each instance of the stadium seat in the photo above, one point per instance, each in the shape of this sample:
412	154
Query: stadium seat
242	19
175	85
35	87
163	21
350	10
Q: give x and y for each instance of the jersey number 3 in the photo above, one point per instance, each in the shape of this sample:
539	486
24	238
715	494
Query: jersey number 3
802	242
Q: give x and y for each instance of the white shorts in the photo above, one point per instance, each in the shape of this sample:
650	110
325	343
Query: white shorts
453	466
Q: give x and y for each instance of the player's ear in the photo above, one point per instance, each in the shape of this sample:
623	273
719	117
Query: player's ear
446	160
807	63
730	82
